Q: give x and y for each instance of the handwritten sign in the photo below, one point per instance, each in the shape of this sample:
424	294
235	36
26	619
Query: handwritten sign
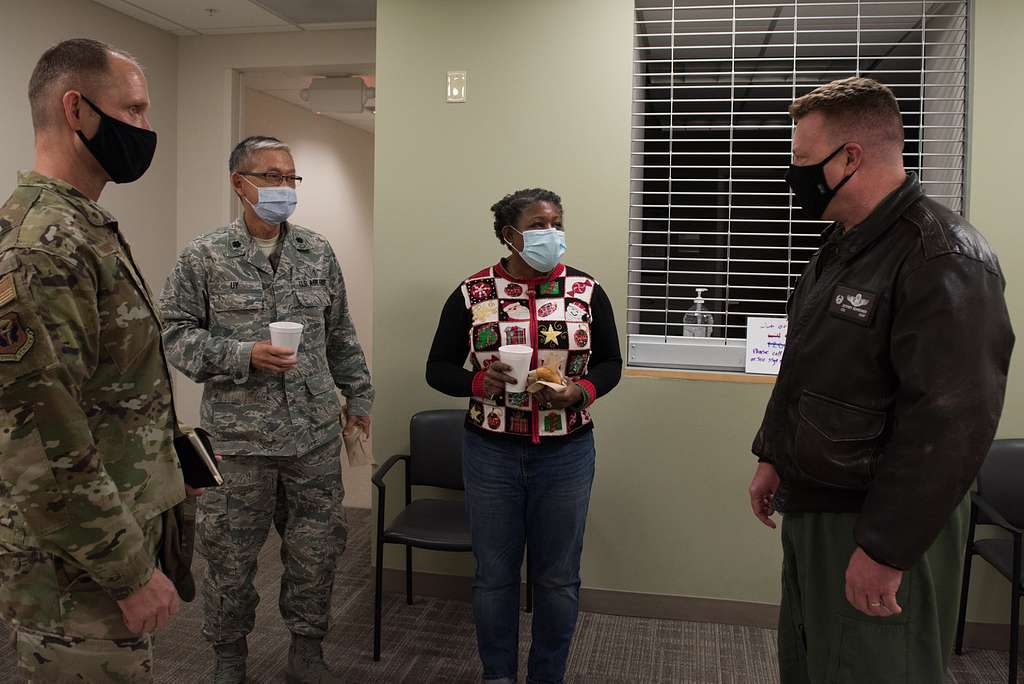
766	341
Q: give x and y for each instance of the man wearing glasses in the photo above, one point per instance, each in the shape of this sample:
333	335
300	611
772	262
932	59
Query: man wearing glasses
274	414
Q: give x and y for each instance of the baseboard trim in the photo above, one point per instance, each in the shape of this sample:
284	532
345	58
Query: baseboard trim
447	587
979	635
687	608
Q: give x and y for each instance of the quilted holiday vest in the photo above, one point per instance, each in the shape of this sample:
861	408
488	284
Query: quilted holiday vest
553	316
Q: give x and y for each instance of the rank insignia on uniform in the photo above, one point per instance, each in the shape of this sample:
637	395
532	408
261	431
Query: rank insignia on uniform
15	339
7	292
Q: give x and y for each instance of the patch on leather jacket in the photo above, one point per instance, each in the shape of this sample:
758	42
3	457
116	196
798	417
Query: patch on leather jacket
853	304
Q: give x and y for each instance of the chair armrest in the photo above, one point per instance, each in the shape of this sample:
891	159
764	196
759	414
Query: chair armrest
378	477
994	515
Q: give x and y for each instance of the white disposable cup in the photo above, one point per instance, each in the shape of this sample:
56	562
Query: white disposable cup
286	334
519	357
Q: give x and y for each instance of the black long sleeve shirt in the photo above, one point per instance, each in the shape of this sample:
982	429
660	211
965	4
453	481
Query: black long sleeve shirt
455	341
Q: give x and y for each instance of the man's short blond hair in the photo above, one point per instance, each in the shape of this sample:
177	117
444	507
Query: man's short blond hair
854	103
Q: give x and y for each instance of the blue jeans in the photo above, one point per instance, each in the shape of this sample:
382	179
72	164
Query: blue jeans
532	496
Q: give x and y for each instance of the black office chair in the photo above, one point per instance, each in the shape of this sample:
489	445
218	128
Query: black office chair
434	460
999	501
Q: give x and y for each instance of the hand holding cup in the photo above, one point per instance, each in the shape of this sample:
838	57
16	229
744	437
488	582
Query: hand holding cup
496	377
516	358
266	356
279	354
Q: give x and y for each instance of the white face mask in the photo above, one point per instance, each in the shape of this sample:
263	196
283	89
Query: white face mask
542	249
275	205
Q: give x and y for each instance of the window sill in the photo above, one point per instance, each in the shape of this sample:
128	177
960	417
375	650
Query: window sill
705	376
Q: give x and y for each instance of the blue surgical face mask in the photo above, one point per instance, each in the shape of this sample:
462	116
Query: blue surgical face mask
274	205
542	249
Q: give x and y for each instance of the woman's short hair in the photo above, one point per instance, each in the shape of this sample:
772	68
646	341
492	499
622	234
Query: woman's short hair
508	209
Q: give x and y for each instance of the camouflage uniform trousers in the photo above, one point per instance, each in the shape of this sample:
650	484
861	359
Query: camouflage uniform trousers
301	495
66	627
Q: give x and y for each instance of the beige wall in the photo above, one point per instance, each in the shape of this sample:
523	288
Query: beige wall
335	200
996	144
549	104
208	115
146	209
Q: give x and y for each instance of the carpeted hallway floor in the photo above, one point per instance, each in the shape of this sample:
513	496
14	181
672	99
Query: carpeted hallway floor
433	640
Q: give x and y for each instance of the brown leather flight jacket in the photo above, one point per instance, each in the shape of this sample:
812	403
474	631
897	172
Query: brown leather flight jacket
892	381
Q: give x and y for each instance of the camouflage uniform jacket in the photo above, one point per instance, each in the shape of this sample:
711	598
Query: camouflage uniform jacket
219	301
86	414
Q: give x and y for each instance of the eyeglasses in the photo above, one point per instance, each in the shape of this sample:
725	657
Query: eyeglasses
274	178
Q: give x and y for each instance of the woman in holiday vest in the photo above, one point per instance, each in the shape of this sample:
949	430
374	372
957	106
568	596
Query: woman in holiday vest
528	460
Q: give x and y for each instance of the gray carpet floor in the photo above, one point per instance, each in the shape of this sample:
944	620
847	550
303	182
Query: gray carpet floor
433	640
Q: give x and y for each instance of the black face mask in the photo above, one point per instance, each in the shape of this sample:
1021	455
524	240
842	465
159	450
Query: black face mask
124	151
810	187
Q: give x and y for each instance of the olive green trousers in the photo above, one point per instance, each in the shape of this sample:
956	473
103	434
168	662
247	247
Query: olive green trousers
825	640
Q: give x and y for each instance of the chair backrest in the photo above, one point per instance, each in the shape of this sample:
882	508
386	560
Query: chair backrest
1001	480
435	448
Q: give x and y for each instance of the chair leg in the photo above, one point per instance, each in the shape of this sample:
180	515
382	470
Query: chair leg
961	621
408	575
378	598
965	586
1015	596
1014	634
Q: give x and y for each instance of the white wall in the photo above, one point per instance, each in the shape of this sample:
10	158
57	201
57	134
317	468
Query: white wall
336	200
147	208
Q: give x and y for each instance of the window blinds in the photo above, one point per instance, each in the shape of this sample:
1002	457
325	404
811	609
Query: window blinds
711	140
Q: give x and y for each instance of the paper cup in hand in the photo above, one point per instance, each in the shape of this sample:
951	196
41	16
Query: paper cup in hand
519	357
286	334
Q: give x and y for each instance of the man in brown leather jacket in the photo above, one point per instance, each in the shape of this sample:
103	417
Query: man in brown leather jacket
887	400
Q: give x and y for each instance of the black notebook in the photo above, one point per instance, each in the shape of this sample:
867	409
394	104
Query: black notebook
198	464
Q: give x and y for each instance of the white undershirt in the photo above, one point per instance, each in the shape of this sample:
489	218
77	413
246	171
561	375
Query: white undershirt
269	245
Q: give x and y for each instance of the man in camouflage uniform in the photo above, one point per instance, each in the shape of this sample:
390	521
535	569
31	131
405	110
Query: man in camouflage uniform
274	416
87	465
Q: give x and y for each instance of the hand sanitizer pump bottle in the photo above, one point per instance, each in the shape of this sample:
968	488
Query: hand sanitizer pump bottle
696	321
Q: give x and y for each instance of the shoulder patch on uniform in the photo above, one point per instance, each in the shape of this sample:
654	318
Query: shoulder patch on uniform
15	339
7	291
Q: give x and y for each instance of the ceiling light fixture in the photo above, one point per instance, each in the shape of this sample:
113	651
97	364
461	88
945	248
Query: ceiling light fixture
339	94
